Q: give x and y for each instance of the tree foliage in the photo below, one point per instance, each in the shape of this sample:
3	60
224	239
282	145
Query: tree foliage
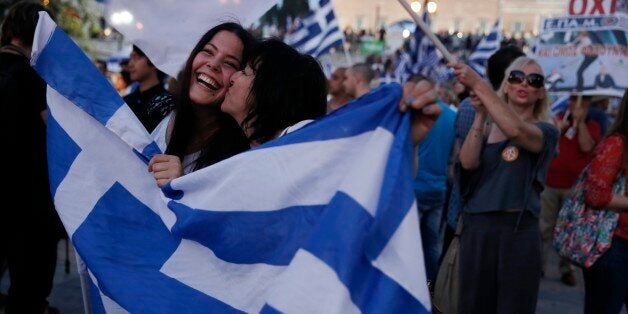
72	16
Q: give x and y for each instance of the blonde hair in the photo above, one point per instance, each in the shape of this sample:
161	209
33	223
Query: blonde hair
541	107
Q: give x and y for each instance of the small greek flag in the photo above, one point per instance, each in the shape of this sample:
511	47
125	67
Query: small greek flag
318	32
487	46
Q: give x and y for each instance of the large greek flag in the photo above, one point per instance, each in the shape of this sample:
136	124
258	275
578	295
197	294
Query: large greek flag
318	32
487	47
320	220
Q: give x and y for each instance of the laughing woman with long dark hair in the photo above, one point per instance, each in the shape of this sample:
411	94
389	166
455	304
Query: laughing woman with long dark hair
197	134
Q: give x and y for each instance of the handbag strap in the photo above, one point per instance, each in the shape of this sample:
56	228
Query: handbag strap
459	225
532	178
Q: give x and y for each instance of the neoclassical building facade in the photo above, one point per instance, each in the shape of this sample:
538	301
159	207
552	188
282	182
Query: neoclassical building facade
518	16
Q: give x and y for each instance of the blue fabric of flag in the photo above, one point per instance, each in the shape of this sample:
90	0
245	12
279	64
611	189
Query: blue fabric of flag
332	200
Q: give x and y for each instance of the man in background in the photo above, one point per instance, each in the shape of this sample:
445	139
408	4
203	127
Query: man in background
358	80
30	229
150	101
339	96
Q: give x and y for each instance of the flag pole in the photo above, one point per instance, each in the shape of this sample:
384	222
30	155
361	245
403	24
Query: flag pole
347	54
83	274
439	45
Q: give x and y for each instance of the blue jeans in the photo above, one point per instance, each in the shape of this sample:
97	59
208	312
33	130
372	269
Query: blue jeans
606	282
430	206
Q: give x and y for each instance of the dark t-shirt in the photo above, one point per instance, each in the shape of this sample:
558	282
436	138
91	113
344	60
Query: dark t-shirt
23	138
509	177
150	106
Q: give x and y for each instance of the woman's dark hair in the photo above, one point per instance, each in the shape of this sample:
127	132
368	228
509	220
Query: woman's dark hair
620	126
21	22
227	139
498	62
288	87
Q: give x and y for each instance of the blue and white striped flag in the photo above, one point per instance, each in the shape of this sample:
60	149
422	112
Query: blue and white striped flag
487	46
422	57
559	106
403	68
320	220
424	54
318	32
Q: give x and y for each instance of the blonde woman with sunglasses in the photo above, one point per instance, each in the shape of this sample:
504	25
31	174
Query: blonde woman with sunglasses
504	160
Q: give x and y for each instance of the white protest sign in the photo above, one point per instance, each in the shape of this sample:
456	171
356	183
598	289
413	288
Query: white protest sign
585	54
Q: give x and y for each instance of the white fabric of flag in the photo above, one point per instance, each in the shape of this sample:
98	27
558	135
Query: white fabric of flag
320	220
487	47
167	30
318	32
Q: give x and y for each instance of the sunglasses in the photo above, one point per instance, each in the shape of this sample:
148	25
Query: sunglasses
534	80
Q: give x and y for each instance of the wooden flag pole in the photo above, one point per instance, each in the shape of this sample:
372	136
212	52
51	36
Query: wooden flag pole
439	45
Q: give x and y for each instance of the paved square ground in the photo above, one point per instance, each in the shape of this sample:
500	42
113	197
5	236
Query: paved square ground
554	297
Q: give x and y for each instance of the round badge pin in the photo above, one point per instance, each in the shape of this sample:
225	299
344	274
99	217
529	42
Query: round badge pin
510	153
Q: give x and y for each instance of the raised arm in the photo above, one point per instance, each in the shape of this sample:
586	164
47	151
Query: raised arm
586	139
526	134
425	111
472	147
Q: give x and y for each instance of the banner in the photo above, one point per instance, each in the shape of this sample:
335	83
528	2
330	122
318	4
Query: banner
372	46
596	7
584	54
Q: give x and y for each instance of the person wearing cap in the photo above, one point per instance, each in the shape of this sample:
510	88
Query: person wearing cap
150	102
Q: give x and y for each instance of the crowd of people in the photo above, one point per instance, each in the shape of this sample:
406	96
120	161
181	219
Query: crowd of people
498	161
455	41
493	166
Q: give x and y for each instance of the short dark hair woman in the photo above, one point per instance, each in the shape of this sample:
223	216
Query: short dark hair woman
278	88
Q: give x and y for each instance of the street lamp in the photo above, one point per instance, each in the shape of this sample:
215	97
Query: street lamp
432	7
416	6
121	18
